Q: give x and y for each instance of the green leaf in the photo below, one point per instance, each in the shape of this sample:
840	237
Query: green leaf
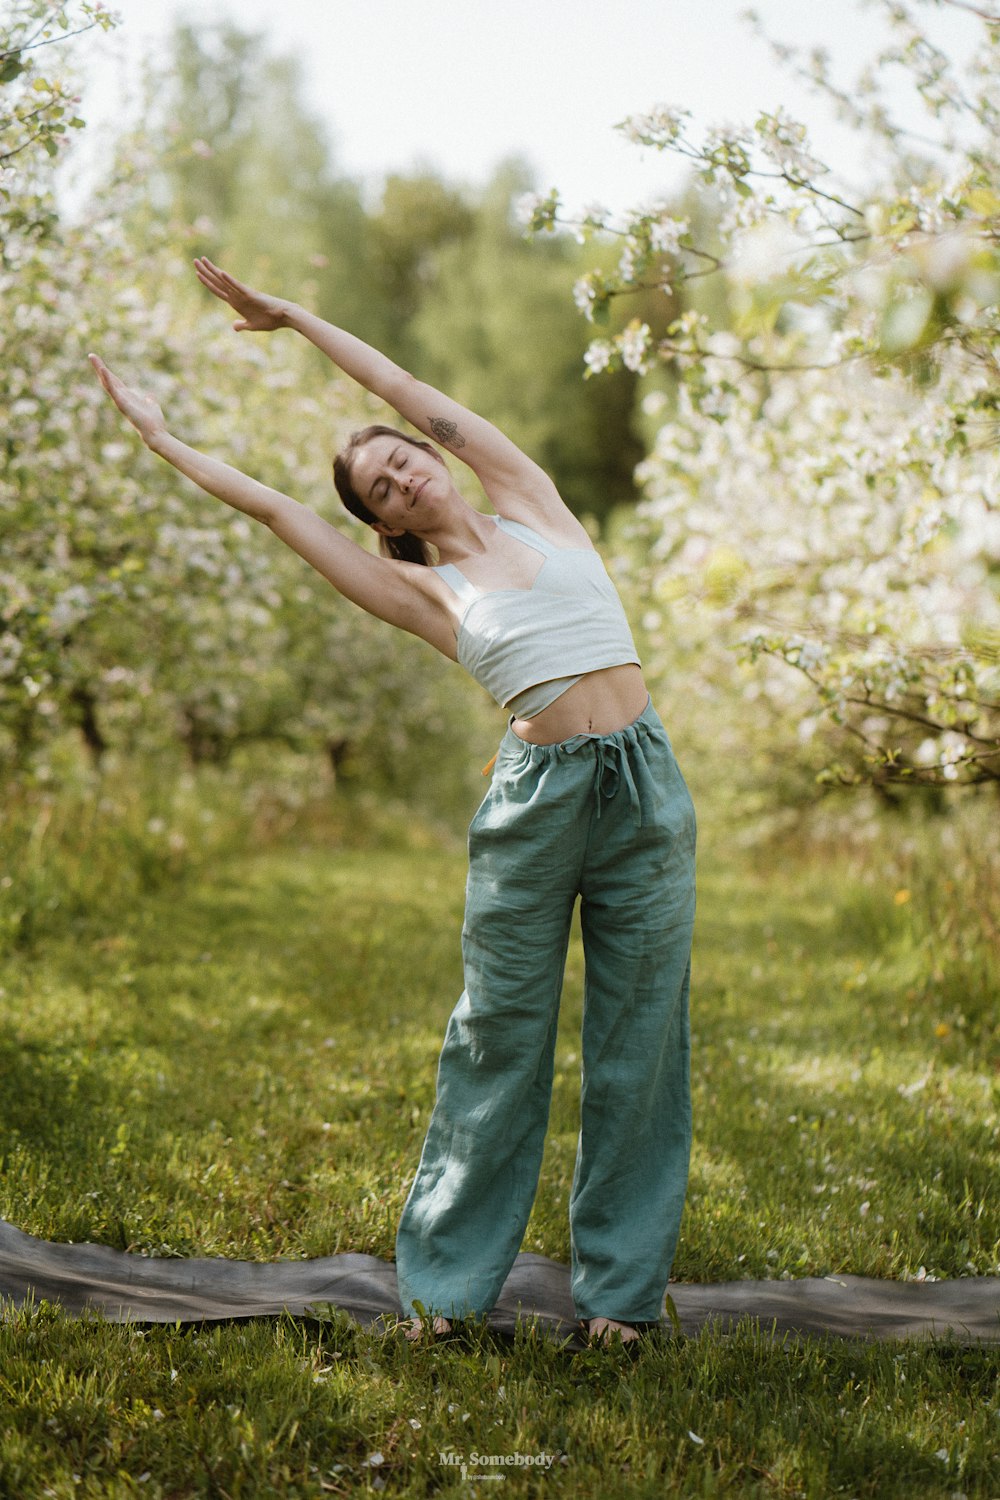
901	227
11	67
983	201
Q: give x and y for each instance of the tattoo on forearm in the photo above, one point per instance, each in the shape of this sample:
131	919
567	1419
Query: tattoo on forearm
446	432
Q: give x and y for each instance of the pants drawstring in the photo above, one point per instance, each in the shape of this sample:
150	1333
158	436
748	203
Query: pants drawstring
611	769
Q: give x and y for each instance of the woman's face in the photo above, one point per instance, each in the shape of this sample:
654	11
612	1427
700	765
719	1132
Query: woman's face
398	481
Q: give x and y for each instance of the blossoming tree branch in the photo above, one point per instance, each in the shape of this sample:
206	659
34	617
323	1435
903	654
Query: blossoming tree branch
822	492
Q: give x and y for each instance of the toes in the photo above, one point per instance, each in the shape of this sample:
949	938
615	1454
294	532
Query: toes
414	1329
605	1331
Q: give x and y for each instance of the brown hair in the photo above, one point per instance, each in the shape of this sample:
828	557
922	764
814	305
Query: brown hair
405	548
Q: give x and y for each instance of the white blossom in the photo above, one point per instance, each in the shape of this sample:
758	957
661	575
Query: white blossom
659	127
665	234
69	607
634	345
627	261
526	206
11	649
584	294
784	141
598	356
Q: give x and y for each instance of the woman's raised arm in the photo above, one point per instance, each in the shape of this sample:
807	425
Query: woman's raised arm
398	592
515	484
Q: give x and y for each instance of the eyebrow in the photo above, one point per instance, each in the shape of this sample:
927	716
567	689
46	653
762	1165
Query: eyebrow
389	460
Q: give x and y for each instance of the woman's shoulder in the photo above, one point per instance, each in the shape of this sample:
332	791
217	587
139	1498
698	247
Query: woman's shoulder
531	499
559	528
544	535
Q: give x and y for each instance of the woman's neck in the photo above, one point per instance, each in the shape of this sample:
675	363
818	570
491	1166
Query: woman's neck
462	533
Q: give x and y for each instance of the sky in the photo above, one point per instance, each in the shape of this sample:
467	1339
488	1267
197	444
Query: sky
458	85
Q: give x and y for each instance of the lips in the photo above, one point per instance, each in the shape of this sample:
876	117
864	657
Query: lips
418	492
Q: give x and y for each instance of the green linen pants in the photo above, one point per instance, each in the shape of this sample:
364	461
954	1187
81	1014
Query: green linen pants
608	818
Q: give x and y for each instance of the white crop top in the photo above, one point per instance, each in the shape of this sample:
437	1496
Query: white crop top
527	646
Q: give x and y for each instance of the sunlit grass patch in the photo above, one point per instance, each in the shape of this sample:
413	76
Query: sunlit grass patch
241	1062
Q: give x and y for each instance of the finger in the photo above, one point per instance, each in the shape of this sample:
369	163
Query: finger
216	291
225	279
215	270
206	269
208	273
108	379
209	281
101	371
112	383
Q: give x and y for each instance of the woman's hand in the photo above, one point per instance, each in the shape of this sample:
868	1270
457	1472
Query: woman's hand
142	411
258	311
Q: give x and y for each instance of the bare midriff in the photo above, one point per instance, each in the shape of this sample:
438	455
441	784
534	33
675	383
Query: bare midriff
600	703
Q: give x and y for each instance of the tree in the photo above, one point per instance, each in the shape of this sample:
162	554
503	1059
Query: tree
250	173
416	218
37	106
824	494
419	273
494	328
135	611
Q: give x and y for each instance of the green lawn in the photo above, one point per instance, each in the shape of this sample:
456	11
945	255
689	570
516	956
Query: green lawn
240	1062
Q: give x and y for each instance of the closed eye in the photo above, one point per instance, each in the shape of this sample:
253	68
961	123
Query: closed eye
380	489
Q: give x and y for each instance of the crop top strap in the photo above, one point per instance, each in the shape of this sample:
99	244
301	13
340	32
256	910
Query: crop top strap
466	591
458	582
526	534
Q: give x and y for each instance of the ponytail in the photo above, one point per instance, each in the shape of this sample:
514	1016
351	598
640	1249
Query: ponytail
405	548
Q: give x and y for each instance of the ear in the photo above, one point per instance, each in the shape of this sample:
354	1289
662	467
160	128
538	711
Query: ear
384	530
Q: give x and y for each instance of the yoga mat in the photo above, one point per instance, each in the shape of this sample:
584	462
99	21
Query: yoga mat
127	1287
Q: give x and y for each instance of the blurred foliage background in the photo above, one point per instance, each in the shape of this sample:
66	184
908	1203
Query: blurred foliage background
787	452
136	618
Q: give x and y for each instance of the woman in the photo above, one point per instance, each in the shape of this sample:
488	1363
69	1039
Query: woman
586	799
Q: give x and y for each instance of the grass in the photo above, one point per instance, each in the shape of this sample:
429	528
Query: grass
233	1054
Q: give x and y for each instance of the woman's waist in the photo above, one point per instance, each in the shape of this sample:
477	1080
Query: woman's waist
601	702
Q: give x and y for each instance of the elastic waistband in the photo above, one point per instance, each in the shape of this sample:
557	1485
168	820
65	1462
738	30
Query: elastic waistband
619	759
647	722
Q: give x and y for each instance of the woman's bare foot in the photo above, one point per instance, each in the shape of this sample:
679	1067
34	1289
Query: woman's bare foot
413	1328
604	1331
